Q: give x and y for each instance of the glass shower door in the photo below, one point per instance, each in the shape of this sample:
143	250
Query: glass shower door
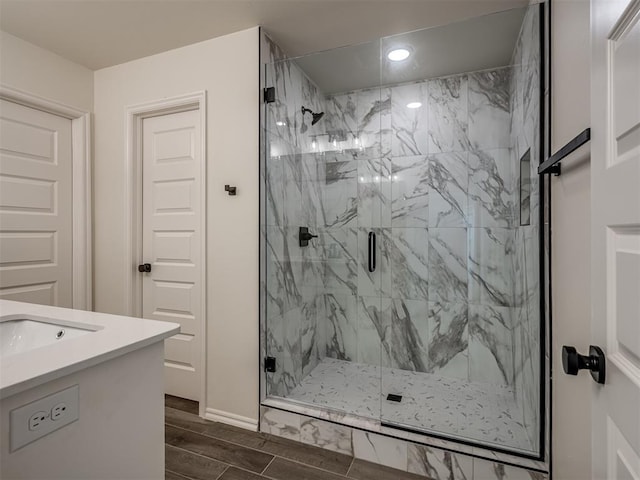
462	359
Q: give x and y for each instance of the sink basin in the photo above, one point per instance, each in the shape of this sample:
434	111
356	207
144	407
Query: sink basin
25	333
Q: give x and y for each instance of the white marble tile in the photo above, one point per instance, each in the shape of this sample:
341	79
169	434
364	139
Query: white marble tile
408	261
490	345
448	180
342	326
486	470
373	113
339	194
409	125
492	189
380	449
341	113
409	191
408	336
489	120
449	340
340	259
439	464
448	265
374	193
280	423
372	329
448	114
490	266
326	435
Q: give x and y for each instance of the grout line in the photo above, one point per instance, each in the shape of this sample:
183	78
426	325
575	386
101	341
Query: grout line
320	449
219	439
227	465
264	452
265	468
350	467
223	472
176	473
342	475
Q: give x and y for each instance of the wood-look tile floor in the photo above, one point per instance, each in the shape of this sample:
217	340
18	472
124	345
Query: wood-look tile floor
196	449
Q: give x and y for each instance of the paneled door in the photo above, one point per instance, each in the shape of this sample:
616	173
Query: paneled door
172	288
615	224
35	206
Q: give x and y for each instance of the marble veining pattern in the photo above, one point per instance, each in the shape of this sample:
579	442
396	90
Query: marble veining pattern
447	254
448	185
409	125
409	192
477	411
454	294
439	464
448	115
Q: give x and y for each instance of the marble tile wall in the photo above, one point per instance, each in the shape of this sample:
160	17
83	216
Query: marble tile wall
292	278
428	461
437	187
455	288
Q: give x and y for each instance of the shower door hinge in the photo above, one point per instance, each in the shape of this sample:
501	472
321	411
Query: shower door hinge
269	94
269	364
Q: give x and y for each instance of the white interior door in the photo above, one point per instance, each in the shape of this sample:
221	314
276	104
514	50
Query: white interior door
35	206
172	242
615	190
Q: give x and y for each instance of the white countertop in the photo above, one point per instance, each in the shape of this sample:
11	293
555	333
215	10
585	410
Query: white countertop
116	335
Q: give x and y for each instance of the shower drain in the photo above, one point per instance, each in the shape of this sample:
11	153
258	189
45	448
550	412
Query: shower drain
392	397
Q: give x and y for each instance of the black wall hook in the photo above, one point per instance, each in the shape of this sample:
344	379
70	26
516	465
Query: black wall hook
231	190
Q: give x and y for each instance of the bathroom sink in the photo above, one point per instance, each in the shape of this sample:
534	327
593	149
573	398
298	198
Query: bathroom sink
18	335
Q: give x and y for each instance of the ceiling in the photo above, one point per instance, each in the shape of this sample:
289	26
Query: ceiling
470	45
99	33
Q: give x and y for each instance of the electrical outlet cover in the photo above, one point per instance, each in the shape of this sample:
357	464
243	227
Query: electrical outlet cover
40	412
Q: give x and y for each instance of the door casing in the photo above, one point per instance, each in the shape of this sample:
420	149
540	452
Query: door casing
135	115
82	271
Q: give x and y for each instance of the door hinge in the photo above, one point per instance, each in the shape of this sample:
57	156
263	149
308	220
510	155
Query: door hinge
270	364
269	94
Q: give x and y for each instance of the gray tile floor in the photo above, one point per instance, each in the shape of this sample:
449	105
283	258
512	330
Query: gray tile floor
197	449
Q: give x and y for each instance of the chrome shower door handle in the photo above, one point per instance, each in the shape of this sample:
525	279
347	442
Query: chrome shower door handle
372	252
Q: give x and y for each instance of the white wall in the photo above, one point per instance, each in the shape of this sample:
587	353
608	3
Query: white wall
32	69
227	68
119	432
571	243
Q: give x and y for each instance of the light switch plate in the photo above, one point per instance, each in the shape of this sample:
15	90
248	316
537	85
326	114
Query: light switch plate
65	405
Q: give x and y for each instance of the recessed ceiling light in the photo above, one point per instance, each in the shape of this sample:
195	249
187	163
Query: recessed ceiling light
280	123
398	54
414	105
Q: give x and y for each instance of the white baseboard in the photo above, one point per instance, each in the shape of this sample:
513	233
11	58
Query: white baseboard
231	419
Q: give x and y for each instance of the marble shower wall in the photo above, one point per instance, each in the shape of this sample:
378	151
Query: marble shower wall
293	295
454	292
437	186
525	131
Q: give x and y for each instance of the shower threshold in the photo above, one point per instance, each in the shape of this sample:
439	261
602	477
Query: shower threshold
356	395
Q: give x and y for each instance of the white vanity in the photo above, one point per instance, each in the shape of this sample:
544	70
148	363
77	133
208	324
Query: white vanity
81	394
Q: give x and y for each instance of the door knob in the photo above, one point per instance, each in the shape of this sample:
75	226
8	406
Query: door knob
145	267
572	362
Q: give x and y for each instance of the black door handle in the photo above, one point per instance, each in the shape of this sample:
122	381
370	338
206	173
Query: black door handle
144	268
572	362
372	252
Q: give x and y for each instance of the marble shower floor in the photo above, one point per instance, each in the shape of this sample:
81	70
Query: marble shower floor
473	411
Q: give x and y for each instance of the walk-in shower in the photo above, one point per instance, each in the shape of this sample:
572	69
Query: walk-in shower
414	301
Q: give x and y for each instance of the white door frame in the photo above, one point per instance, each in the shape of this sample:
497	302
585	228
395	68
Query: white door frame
82	287
135	114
